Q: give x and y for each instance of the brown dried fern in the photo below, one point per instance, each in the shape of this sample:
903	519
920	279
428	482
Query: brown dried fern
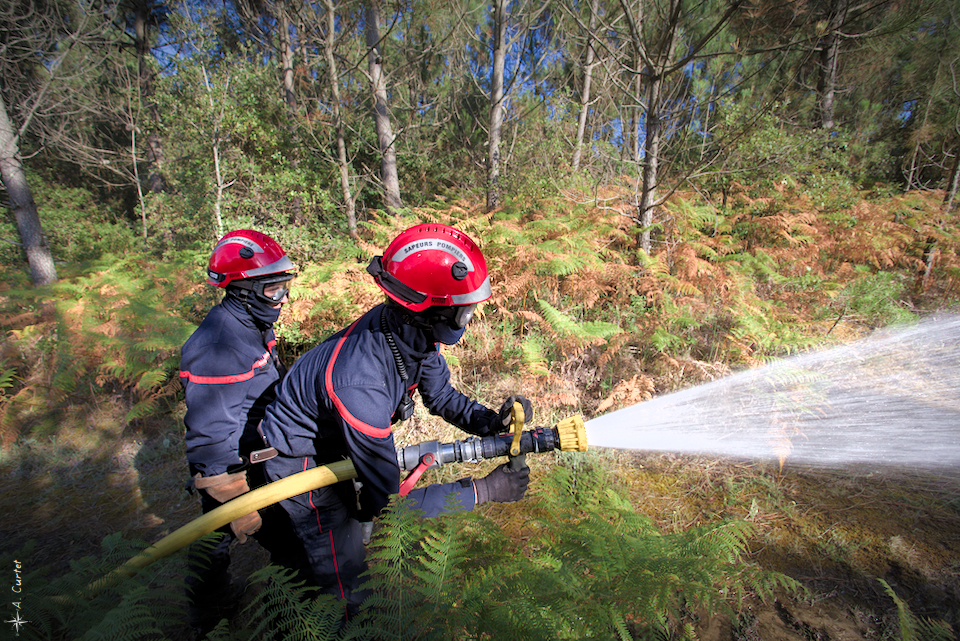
626	393
509	293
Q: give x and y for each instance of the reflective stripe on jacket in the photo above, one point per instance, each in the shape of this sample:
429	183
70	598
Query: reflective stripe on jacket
229	375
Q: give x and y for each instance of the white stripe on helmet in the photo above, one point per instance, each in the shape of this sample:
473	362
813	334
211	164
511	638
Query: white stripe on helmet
240	240
438	244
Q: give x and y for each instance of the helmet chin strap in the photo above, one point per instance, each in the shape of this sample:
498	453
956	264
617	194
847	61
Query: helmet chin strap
410	318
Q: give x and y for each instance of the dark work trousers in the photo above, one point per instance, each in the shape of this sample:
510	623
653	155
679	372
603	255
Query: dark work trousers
329	533
208	568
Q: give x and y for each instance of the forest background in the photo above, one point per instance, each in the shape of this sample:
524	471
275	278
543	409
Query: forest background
666	191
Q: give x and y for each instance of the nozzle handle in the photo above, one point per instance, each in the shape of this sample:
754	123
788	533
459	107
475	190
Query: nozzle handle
517	420
518	462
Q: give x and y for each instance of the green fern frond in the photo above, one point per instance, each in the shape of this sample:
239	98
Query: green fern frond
599	329
565	258
657	265
287	609
914	629
142	409
502	240
152	379
559	266
620	625
442	553
758	265
681	287
7	379
533	358
566	326
141	606
618	557
394	565
133	620
557	320
549	227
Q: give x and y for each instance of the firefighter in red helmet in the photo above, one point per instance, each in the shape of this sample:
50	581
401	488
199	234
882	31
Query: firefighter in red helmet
229	371
341	398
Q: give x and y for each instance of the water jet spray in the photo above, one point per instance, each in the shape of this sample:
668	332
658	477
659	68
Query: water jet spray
889	401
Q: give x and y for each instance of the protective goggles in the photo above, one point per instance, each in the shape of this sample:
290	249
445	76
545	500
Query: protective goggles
272	289
457	316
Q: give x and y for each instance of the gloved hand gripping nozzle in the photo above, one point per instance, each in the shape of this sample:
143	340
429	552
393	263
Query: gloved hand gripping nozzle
569	435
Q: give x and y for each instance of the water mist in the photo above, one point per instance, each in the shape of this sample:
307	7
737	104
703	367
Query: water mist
890	400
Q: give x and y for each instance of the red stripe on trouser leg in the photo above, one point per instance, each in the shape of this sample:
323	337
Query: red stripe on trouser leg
323	523
310	499
336	568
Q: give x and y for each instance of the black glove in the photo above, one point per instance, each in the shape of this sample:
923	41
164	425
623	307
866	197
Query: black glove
503	485
506	416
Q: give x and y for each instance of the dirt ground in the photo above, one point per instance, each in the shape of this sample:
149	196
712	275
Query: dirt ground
839	533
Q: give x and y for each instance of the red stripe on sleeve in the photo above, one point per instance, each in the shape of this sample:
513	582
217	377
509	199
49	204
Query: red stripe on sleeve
231	378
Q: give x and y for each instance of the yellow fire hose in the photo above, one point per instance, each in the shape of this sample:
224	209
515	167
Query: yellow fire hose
244	504
568	435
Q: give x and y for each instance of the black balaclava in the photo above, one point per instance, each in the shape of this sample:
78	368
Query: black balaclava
262	312
444	333
436	329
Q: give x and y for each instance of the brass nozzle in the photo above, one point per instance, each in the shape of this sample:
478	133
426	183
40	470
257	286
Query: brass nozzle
572	433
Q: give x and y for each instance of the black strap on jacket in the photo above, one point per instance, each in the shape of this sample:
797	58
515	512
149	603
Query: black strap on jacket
405	408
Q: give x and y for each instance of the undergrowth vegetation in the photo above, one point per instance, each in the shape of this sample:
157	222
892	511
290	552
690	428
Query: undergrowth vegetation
581	321
592	568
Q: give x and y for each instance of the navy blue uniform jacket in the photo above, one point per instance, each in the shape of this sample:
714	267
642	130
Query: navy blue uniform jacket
338	399
229	375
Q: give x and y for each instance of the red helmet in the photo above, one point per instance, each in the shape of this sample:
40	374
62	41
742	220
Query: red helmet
246	254
432	266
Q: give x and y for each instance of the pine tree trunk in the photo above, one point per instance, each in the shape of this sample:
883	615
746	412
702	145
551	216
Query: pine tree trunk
918	144
585	92
496	103
637	11
930	254
286	58
635	120
951	196
653	126
827	87
651	162
39	258
155	179
220	188
829	63
381	114
342	163
221	185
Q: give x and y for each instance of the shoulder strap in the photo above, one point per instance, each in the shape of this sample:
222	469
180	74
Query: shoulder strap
405	408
